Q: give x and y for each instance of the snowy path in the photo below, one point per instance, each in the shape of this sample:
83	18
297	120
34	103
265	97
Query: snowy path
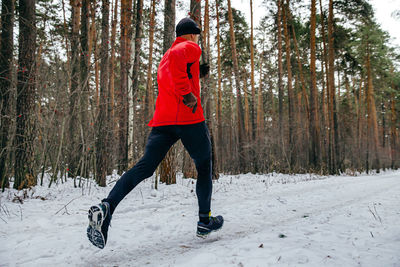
270	220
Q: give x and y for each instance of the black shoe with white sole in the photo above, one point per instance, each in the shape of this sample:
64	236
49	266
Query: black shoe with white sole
215	224
99	221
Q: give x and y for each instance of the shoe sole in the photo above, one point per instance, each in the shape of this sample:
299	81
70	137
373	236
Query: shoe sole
204	236
95	216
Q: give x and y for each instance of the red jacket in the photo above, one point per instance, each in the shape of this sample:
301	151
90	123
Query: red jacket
178	75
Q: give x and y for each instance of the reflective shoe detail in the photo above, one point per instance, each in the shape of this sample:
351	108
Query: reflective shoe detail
99	220
215	224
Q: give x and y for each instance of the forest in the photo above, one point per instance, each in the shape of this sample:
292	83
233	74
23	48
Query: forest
313	88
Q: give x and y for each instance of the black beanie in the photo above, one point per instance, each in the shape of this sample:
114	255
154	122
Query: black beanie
187	26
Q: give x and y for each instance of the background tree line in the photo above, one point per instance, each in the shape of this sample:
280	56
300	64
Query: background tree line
313	88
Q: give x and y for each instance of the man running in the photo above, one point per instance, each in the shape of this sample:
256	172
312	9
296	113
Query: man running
178	115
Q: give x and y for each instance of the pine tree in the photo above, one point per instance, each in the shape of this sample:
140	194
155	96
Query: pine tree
102	144
25	174
6	69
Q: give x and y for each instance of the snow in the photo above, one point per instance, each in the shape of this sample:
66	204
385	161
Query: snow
270	220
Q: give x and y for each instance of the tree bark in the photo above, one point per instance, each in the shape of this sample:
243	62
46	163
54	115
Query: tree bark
260	107
169	24
372	120
239	107
126	31
333	166
138	46
25	175
290	87
315	152
94	47
253	88
280	73
85	84
325	92
219	91
149	84
112	64
102	144
393	132
75	94
6	70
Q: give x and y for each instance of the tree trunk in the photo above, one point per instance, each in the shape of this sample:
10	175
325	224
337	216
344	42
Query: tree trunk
246	107
206	89
239	107
85	76
290	87
325	92
126	30
393	132
6	70
333	168
138	46
149	86
169	24
112	118
102	146
94	47
315	152
133	84
74	148
260	107
219	91
112	64
253	88
372	120
25	175
280	74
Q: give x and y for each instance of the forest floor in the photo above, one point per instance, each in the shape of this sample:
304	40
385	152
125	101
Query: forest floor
270	220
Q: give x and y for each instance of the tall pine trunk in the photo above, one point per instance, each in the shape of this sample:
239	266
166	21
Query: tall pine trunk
315	152
393	132
291	140
112	64
93	48
149	85
74	105
138	46
260	107
218	97
85	89
239	107
126	31
102	144
112	121
325	94
6	69
253	87
280	75
25	175
333	136
373	134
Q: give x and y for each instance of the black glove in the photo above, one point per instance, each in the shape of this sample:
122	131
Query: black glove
191	101
204	70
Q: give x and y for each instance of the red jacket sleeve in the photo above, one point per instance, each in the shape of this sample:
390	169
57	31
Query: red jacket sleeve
180	56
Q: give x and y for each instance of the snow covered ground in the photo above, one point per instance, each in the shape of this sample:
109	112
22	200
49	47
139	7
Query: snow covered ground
270	220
